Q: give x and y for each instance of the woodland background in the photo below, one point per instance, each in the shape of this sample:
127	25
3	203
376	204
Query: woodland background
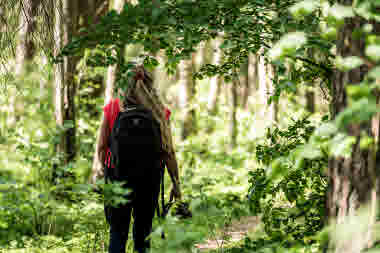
275	112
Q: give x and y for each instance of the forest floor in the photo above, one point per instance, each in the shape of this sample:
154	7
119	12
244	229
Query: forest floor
234	232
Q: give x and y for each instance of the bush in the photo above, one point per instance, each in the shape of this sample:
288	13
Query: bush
289	192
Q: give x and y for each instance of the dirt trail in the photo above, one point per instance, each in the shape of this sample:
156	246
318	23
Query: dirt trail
234	232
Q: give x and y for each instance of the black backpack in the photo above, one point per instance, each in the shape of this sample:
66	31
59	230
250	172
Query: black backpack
135	145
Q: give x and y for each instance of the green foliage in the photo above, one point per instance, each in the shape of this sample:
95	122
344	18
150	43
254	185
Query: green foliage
348	63
177	27
288	45
289	195
288	190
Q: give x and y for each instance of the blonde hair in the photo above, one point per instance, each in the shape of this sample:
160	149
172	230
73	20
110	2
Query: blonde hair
140	91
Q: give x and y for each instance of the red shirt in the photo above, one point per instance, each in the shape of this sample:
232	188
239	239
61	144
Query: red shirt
111	110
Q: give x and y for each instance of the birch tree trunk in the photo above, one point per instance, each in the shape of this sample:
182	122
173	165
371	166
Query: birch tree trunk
97	165
353	180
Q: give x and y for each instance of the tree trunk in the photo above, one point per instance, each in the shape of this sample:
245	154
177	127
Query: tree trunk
2	23
310	100
233	108
253	71
97	167
262	89
87	11
199	56
273	106
25	49
216	81
353	180
66	14
187	94
250	79
266	90
310	94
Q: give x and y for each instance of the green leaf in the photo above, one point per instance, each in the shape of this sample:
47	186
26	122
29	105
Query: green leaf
303	8
67	124
340	12
366	141
341	145
288	45
368	9
373	52
360	110
330	33
3	225
348	63
277	168
357	92
326	130
309	151
368	28
375	73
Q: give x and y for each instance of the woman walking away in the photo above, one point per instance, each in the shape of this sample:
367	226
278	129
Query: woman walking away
135	145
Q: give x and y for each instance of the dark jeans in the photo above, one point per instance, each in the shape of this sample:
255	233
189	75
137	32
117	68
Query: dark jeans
142	205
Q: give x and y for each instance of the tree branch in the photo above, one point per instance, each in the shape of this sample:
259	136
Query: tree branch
326	69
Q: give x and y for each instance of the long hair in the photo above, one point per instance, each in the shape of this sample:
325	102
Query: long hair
140	91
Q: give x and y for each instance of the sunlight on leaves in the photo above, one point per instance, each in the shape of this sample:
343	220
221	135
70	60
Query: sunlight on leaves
368	28
366	142
277	168
329	33
373	52
374	73
357	92
303	8
288	45
310	151
326	130
341	12
366	9
342	145
348	63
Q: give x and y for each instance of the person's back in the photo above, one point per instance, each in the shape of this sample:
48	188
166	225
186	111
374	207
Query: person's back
138	133
135	144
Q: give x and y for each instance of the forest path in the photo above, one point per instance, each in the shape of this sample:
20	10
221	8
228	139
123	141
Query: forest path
231	233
